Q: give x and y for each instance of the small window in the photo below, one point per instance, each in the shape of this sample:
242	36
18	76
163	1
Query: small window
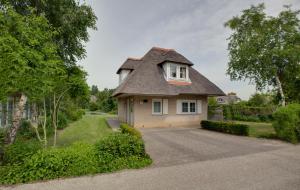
157	107
185	107
173	71
192	107
182	72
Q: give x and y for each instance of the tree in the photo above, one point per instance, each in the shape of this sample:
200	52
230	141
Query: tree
28	60
265	49
94	90
70	18
260	100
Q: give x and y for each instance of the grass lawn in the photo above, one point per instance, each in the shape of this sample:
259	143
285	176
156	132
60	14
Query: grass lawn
89	129
260	129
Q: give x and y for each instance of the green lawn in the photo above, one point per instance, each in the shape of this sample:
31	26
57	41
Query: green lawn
89	129
260	129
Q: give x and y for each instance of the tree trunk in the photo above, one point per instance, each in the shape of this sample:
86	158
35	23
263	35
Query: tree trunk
54	119
280	90
44	124
16	119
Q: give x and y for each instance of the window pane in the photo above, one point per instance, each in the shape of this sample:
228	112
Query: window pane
156	107
173	71
185	107
182	72
193	107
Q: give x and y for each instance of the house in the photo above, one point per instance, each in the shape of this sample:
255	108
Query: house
162	89
230	98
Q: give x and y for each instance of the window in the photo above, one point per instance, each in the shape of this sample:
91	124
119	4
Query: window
176	72
173	71
192	107
182	72
157	106
185	107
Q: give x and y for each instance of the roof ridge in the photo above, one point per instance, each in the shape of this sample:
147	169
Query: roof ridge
134	58
162	49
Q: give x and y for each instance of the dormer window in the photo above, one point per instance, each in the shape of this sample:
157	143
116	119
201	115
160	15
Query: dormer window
176	71
173	70
182	71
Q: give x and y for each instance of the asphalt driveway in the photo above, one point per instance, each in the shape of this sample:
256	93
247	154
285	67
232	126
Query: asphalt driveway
174	146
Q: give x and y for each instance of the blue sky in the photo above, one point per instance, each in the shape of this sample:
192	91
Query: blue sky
194	28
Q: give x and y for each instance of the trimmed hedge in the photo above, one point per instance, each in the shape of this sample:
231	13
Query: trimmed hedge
116	151
125	128
226	127
287	123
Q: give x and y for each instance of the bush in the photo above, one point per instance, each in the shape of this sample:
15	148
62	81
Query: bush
226	127
16	153
77	159
287	123
125	128
26	130
120	145
115	152
62	120
93	106
75	114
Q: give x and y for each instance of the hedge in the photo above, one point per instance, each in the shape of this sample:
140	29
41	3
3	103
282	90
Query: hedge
287	123
226	127
125	128
116	151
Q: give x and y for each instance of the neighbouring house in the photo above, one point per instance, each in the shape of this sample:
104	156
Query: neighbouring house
230	98
162	89
7	109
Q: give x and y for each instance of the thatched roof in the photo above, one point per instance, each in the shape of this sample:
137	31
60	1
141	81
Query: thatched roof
147	78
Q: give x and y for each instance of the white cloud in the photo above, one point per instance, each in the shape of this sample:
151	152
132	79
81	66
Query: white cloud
193	28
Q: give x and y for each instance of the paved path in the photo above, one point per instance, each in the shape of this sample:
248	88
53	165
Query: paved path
242	163
172	146
113	122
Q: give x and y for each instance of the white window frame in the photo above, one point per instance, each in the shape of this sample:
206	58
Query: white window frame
189	106
160	101
178	66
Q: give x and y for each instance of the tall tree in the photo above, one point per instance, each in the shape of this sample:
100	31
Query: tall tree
70	18
265	49
28	60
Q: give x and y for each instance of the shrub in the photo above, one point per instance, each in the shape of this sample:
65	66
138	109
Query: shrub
125	128
52	163
62	120
226	127
75	114
287	123
16	153
119	145
93	106
26	130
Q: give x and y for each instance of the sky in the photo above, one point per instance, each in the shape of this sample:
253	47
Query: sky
194	28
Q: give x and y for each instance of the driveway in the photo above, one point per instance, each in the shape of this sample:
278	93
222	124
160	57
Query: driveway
174	146
196	159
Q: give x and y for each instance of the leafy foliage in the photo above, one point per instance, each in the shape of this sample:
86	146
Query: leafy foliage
265	49
225	127
16	153
105	102
126	129
117	151
28	55
287	123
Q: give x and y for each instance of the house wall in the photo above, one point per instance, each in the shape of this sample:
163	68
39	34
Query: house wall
122	109
143	116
